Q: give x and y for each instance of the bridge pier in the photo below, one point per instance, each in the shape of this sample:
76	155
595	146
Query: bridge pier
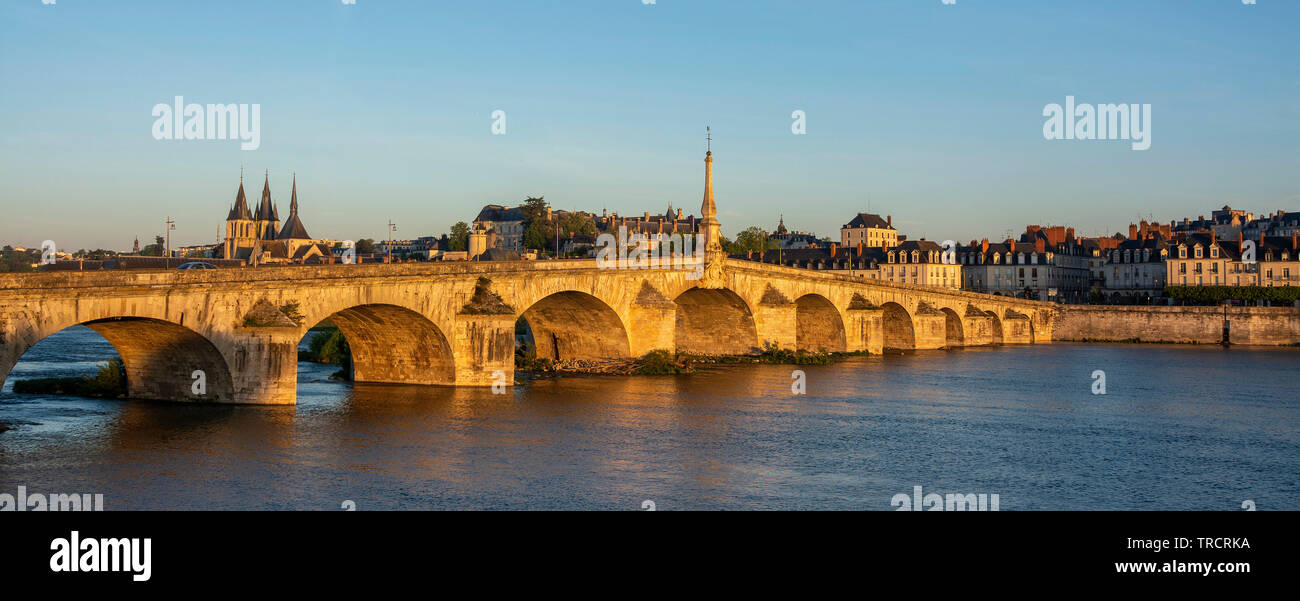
864	330
978	330
777	326
652	328
930	329
485	344
1016	329
264	367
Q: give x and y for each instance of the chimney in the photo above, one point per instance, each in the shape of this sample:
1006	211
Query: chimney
1294	241
862	248
679	213
834	248
984	245
1039	246
1239	240
1132	231
889	219
647	215
1261	240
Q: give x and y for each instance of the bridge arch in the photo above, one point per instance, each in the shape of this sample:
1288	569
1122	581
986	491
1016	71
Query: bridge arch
954	333
396	345
576	325
896	322
714	321
160	358
995	325
818	324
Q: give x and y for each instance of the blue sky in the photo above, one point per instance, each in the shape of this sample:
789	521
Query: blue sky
929	112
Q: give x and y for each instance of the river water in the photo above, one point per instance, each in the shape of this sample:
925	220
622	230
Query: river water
1181	427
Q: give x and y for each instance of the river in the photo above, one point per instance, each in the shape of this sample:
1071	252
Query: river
1180	427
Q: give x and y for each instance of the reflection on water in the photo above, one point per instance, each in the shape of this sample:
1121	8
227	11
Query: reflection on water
1182	427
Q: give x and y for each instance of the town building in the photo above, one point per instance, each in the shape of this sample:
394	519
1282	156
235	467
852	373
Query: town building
920	262
1202	260
787	239
1027	269
859	261
869	229
1136	269
505	223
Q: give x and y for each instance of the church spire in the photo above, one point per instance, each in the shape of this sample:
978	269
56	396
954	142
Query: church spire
240	208
265	211
293	203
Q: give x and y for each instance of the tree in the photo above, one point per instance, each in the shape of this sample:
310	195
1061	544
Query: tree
575	224
152	250
365	246
752	238
537	229
459	237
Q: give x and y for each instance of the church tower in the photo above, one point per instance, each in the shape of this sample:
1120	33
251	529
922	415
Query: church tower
241	230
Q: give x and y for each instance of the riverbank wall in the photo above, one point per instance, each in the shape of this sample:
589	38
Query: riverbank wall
1262	326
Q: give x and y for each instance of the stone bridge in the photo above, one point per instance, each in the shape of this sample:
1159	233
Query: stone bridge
454	323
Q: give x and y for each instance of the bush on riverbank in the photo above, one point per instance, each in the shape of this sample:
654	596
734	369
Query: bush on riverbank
328	345
109	382
526	359
776	356
660	363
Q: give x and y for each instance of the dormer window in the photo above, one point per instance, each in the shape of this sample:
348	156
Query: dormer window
1182	252
1198	251
1214	252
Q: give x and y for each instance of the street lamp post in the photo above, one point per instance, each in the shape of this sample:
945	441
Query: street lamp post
171	225
392	227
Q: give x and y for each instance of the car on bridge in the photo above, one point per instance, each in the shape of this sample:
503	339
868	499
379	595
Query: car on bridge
196	265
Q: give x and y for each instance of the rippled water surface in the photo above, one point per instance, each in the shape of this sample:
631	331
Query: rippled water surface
1182	427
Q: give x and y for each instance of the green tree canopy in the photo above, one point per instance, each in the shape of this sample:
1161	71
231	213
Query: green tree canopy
752	238
538	232
459	236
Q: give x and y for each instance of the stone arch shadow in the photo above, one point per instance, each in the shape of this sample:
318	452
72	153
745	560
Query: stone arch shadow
714	321
576	325
896	323
819	325
160	359
995	326
954	332
393	344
